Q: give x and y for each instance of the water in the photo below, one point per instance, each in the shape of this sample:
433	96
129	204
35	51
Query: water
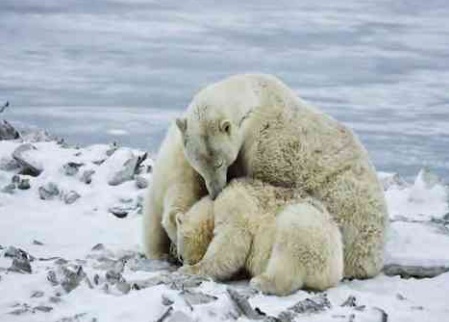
97	71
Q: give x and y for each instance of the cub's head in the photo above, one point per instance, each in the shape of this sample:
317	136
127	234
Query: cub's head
211	145
195	230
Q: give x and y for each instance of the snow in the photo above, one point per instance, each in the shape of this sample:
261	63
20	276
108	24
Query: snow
418	235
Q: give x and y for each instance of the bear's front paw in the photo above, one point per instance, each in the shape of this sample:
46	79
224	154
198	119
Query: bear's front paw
189	270
263	284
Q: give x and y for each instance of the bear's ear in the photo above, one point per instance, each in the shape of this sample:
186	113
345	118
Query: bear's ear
225	126
181	123
178	219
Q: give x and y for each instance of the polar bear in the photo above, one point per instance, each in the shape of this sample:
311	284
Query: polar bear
253	125
175	187
284	240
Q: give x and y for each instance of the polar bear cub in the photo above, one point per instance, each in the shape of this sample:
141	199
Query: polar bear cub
285	241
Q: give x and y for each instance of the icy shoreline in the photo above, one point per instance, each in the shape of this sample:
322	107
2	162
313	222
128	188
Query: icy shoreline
70	248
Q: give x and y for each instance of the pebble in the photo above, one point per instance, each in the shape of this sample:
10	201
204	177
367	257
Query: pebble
86	176
71	197
48	191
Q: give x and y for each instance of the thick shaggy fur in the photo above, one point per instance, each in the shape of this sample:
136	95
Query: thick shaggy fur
255	126
287	242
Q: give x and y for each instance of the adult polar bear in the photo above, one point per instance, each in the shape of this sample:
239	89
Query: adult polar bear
254	125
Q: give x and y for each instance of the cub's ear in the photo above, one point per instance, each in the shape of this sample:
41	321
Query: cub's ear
181	123
225	126
178	219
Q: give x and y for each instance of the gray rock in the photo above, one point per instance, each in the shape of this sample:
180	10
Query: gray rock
243	306
28	164
8	132
48	191
15	179
86	176
410	271
123	287
71	277
14	252
195	298
71	197
43	308
126	173
72	168
149	265
179	316
316	304
37	135
37	242
20	265
141	182
9	188
37	294
166	301
8	164
119	212
112	148
24	184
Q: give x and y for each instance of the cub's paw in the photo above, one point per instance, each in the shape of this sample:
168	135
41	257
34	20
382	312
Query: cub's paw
189	270
264	284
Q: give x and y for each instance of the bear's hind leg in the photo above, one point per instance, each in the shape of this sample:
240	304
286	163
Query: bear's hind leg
281	277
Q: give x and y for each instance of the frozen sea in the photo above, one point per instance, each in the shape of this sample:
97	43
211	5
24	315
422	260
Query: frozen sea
97	71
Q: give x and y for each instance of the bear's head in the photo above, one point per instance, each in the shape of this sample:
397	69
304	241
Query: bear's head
211	144
195	230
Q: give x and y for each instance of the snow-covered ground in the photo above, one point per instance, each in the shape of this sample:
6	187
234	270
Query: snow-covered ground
86	265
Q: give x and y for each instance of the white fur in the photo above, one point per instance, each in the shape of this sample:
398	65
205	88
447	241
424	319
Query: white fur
287	242
278	138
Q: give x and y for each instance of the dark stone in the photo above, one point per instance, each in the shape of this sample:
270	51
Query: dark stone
48	191
28	165
8	132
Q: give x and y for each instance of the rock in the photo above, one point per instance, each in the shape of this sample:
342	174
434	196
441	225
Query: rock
72	168
71	197
48	191
112	148
86	177
20	265
98	247
29	165
37	242
243	306
126	173
123	287
9	188
14	252
349	302
71	277
8	164
179	316
195	298
149	265
119	212
141	182
410	271
8	132
166	301
43	308
37	294
15	179
38	135
24	184
316	304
